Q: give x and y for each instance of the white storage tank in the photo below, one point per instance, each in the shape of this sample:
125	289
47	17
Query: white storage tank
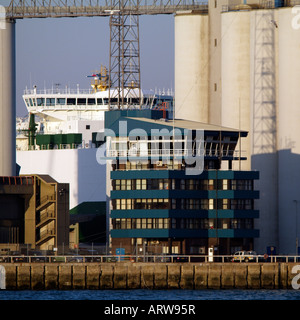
191	66
288	130
7	100
236	77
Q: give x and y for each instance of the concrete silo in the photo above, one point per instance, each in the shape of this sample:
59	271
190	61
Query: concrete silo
191	66
7	100
235	70
288	130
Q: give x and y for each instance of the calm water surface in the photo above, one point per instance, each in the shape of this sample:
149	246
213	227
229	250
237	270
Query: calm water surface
151	295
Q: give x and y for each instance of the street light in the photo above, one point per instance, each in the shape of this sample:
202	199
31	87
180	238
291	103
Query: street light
296	202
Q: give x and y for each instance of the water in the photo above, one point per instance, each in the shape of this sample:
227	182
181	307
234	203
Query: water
150	295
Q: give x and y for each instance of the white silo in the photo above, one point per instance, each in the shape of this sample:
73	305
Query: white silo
263	102
191	66
236	77
288	130
7	100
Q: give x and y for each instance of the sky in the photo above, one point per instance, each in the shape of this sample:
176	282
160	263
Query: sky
66	50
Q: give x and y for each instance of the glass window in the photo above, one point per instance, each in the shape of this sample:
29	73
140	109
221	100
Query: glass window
91	101
123	204
32	102
40	101
50	102
117	223
144	184
144	223
71	101
123	223
128	183
118	204
117	184
128	204
61	101
81	101
160	223
99	101
138	223
166	223
138	184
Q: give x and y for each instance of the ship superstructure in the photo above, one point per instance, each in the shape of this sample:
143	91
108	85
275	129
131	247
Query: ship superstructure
60	135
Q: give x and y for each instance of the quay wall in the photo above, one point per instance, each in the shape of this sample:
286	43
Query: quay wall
123	275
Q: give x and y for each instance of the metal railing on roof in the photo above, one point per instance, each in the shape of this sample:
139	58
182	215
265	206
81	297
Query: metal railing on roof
19	9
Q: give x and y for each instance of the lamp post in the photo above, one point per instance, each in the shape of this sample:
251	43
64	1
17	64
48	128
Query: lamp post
296	202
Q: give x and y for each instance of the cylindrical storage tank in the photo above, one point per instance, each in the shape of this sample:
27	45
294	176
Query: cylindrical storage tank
191	66
289	130
236	78
263	101
7	100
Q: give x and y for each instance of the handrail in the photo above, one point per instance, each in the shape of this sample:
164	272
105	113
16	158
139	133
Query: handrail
146	258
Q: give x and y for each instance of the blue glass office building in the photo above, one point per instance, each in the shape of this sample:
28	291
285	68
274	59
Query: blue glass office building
172	187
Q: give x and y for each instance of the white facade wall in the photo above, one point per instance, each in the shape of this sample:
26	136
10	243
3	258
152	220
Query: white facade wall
78	167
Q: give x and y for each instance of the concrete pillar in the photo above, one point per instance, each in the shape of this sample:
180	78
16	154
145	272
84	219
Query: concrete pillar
23	277
227	280
79	277
200	278
269	276
173	276
160	276
51	277
37	277
254	274
120	276
106	279
92	277
11	271
65	277
134	276
214	276
240	276
187	276
147	276
7	100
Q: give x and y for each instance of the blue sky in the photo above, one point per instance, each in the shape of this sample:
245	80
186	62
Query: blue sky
66	50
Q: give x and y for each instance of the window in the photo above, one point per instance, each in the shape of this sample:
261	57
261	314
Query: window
123	204
50	102
81	101
91	101
40	101
61	101
87	127
117	184
71	101
99	101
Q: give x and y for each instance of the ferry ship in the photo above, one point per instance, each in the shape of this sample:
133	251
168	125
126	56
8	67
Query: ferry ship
58	137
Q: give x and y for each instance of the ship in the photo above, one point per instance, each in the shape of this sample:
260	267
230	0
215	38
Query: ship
60	134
